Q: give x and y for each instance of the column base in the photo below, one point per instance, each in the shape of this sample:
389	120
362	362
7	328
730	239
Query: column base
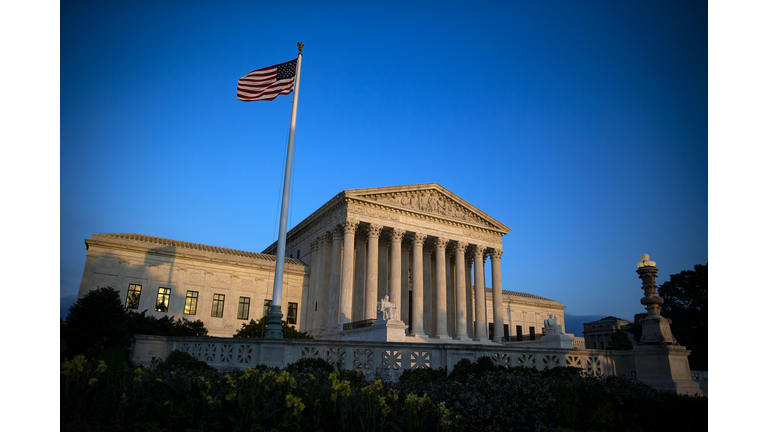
443	336
464	338
274	324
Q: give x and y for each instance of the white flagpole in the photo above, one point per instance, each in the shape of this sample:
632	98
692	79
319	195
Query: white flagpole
275	316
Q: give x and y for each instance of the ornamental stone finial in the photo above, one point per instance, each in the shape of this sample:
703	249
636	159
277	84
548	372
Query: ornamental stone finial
655	327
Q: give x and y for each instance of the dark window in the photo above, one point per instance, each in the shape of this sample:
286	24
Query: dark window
506	332
532	332
490	331
543	330
267	306
243	308
190	304
298	253
134	292
217	310
519	330
293	313
163	297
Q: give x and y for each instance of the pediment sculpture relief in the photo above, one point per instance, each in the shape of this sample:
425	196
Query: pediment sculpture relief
428	202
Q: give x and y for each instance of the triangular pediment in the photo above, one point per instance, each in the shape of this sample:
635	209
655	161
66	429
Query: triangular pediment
429	199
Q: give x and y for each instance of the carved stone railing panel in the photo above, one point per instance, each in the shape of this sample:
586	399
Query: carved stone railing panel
421	360
209	352
391	360
225	353
527	360
363	358
501	359
336	355
550	361
594	366
310	352
573	361
245	354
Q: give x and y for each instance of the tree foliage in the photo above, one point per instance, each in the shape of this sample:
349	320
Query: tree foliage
257	329
140	323
685	303
95	322
620	341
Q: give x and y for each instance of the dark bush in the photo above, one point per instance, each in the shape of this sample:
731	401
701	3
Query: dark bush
423	375
464	368
257	329
95	322
312	364
178	360
141	323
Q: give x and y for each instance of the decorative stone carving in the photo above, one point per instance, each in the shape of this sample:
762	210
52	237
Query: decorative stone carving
496	253
428	202
386	310
374	230
440	243
350	225
461	247
418	239
397	234
551	327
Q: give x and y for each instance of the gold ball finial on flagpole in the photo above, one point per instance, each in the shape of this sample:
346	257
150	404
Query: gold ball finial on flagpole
300	46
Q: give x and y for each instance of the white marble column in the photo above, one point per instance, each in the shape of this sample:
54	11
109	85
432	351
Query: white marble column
469	296
461	293
323	283
498	307
450	286
383	273
405	264
309	306
335	286
347	273
372	271
417	327
358	311
441	311
481	323
429	302
395	271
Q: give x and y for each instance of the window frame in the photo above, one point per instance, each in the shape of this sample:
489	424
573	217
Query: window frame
295	316
189	308
166	296
247	304
137	292
217	306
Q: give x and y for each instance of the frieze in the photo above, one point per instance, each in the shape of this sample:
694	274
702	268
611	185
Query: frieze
384	214
428	202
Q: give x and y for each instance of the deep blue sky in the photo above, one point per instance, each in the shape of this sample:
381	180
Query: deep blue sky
582	126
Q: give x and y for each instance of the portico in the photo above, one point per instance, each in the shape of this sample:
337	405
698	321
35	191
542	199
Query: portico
419	244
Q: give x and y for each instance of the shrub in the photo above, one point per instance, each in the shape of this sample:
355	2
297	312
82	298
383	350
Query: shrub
620	341
140	323
464	368
179	360
423	375
95	322
257	329
310	364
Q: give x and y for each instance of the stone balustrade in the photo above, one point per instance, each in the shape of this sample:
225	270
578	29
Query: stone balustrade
385	358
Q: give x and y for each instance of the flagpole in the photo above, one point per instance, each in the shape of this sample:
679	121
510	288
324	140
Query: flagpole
275	316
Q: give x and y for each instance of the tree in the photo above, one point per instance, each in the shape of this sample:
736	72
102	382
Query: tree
95	322
620	341
257	330
140	323
685	303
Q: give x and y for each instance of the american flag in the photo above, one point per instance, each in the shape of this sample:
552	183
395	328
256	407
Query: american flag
267	83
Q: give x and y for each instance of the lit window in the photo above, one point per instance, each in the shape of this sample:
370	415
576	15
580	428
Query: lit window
243	308
134	292
190	305
267	306
293	312
217	311
163	297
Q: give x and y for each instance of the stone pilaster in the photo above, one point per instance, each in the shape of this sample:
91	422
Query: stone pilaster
417	326
441	311
481	322
395	271
372	271
347	272
324	282
461	292
498	308
468	260
309	307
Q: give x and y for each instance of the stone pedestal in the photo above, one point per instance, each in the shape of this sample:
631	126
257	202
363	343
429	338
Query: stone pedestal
560	340
380	331
665	367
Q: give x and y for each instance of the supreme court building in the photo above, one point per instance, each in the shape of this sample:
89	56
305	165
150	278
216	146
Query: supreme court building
421	245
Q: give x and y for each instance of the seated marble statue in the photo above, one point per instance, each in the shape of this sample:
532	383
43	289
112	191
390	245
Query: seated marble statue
551	327
387	309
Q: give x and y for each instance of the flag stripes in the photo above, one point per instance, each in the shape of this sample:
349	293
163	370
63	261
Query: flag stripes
267	83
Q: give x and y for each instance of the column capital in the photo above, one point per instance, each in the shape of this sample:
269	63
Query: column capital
441	242
461	247
338	232
328	236
496	253
314	244
418	239
350	225
479	252
374	230
397	234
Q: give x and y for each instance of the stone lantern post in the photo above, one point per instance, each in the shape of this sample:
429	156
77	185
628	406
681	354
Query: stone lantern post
655	327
